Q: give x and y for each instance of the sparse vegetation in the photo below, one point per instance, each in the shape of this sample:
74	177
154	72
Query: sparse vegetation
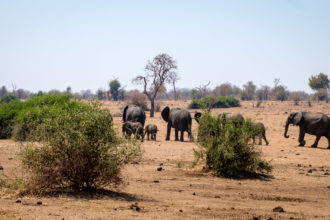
226	148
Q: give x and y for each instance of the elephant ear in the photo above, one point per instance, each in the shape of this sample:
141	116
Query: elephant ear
166	113
297	118
124	113
197	116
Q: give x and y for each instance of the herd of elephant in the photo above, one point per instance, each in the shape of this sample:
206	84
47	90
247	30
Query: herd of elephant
134	117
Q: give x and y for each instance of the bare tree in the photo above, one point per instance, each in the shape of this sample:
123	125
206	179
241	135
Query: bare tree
174	77
158	72
201	91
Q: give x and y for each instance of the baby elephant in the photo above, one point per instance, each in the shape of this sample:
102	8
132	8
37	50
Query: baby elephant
151	129
259	130
135	128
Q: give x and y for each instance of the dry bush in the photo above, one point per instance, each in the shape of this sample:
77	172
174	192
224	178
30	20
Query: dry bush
138	98
79	148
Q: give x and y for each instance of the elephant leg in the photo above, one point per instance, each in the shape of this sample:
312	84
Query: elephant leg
148	136
301	140
176	134
316	141
181	136
155	137
328	142
260	141
254	139
168	132
264	136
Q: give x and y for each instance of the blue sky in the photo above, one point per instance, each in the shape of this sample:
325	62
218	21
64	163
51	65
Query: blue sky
84	44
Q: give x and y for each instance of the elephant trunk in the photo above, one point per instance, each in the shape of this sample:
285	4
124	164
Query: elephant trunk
286	129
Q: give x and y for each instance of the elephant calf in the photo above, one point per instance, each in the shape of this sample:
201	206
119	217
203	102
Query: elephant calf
136	128
151	129
259	130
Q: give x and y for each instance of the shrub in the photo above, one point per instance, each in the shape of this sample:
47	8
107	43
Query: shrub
219	102
8	98
226	148
79	147
8	114
139	99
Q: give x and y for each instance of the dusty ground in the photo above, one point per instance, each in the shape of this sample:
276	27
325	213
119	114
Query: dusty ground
301	183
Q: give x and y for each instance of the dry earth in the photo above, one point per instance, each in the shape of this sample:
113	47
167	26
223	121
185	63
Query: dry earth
300	183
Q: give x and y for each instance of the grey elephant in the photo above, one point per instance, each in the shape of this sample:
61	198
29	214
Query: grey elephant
135	128
259	130
134	113
151	129
179	119
311	123
238	118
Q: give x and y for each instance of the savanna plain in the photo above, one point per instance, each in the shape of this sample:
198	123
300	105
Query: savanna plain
164	186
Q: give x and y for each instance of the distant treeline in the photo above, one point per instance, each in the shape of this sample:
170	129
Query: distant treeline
249	91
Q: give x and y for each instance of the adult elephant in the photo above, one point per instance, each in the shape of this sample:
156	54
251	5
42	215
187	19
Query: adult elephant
317	124
179	119
134	113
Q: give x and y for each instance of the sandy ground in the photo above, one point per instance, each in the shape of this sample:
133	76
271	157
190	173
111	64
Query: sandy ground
300	183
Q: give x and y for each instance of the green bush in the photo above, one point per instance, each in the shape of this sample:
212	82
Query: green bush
227	149
40	109
219	102
8	98
8	114
78	147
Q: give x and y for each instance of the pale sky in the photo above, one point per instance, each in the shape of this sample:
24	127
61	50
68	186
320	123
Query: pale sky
48	45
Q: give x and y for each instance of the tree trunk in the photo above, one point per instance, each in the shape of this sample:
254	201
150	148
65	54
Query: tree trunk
175	96
152	108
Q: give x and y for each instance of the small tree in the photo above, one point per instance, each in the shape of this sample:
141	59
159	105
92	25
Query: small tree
248	91
224	89
114	89
158	72
320	84
68	90
3	91
263	93
201	91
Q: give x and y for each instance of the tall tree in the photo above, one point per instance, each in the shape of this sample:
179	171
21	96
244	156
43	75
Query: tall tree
158	73
114	89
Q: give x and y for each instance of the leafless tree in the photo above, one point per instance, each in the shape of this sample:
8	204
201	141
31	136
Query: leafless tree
158	72
174	77
201	91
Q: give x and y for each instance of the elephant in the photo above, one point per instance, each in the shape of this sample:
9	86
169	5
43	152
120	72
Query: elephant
151	129
317	124
131	127
259	130
179	119
238	118
134	113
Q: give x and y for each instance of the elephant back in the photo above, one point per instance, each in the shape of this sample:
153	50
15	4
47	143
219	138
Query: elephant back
181	118
134	113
